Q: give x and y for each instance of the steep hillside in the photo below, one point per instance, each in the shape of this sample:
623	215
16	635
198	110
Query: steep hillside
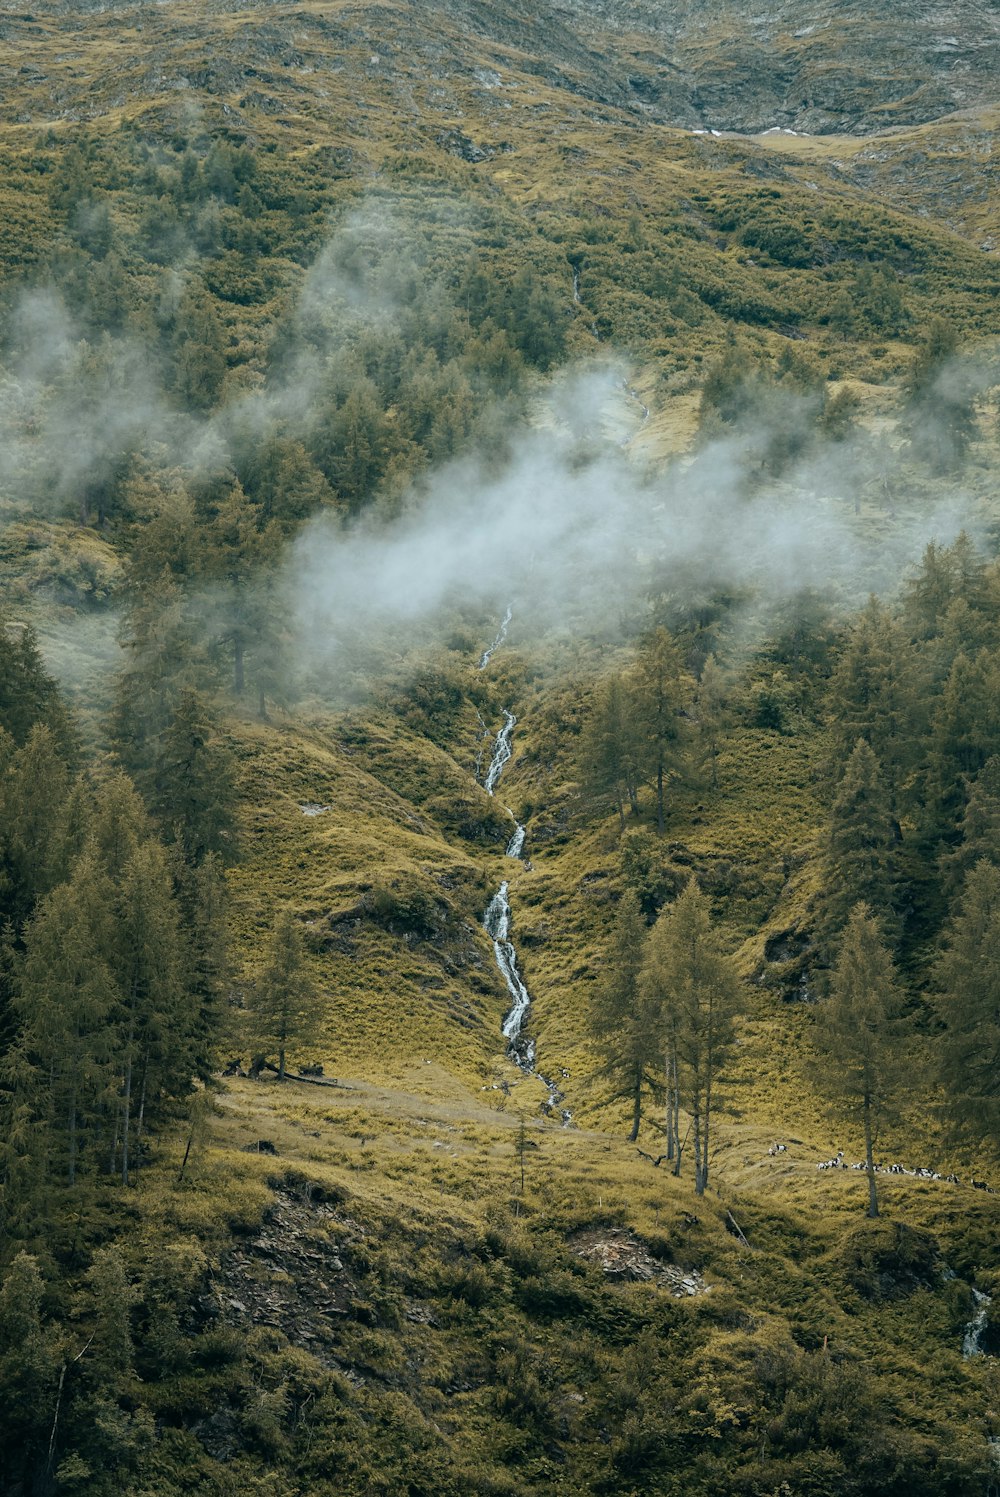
487	478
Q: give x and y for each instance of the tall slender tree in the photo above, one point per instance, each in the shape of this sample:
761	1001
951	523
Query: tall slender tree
860	857
287	1005
660	691
858	1031
695	987
967	1002
623	1020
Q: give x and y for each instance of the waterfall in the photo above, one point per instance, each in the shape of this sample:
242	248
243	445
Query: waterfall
501	635
972	1340
502	750
496	920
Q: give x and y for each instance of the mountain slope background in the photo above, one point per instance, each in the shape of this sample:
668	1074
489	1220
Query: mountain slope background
330	332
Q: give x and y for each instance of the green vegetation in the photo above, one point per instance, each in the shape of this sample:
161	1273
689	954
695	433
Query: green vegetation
287	310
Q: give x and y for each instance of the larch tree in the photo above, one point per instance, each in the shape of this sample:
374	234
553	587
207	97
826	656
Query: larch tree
695	988
287	1005
660	692
608	749
67	1002
622	1019
860	856
858	1033
711	715
967	1003
868	696
980	829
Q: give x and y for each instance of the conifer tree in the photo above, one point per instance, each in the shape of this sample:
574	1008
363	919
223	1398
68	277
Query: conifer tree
622	1019
964	733
860	860
157	1028
33	795
67	999
694	987
609	748
191	782
967	982
940	400
29	1373
858	1034
287	1005
980	830
868	696
659	692
711	716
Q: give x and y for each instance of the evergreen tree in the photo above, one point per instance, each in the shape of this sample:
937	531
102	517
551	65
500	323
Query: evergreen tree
622	1021
965	732
191	789
157	1027
694	987
64	1061
711	715
28	694
868	696
29	1376
659	693
609	750
238	550
34	794
967	982
860	860
858	1034
199	356
940	400
980	832
287	1006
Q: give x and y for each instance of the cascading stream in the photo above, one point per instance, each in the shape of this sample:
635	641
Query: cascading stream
972	1341
496	920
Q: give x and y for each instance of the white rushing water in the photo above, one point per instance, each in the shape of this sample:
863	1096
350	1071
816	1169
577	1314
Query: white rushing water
972	1341
520	1048
496	920
501	635
502	751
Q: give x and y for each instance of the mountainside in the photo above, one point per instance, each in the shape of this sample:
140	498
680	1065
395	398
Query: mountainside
499	749
833	68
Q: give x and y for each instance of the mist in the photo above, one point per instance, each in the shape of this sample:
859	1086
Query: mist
578	537
559	520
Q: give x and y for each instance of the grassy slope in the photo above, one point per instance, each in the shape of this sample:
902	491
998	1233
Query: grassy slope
413	1145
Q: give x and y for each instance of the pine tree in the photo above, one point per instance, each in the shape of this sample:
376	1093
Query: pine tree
29	1376
238	557
64	1061
869	697
980	830
857	1031
659	692
967	982
33	838
28	694
191	789
940	400
711	714
694	987
965	732
860	858
287	1005
622	1020
157	1026
609	750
